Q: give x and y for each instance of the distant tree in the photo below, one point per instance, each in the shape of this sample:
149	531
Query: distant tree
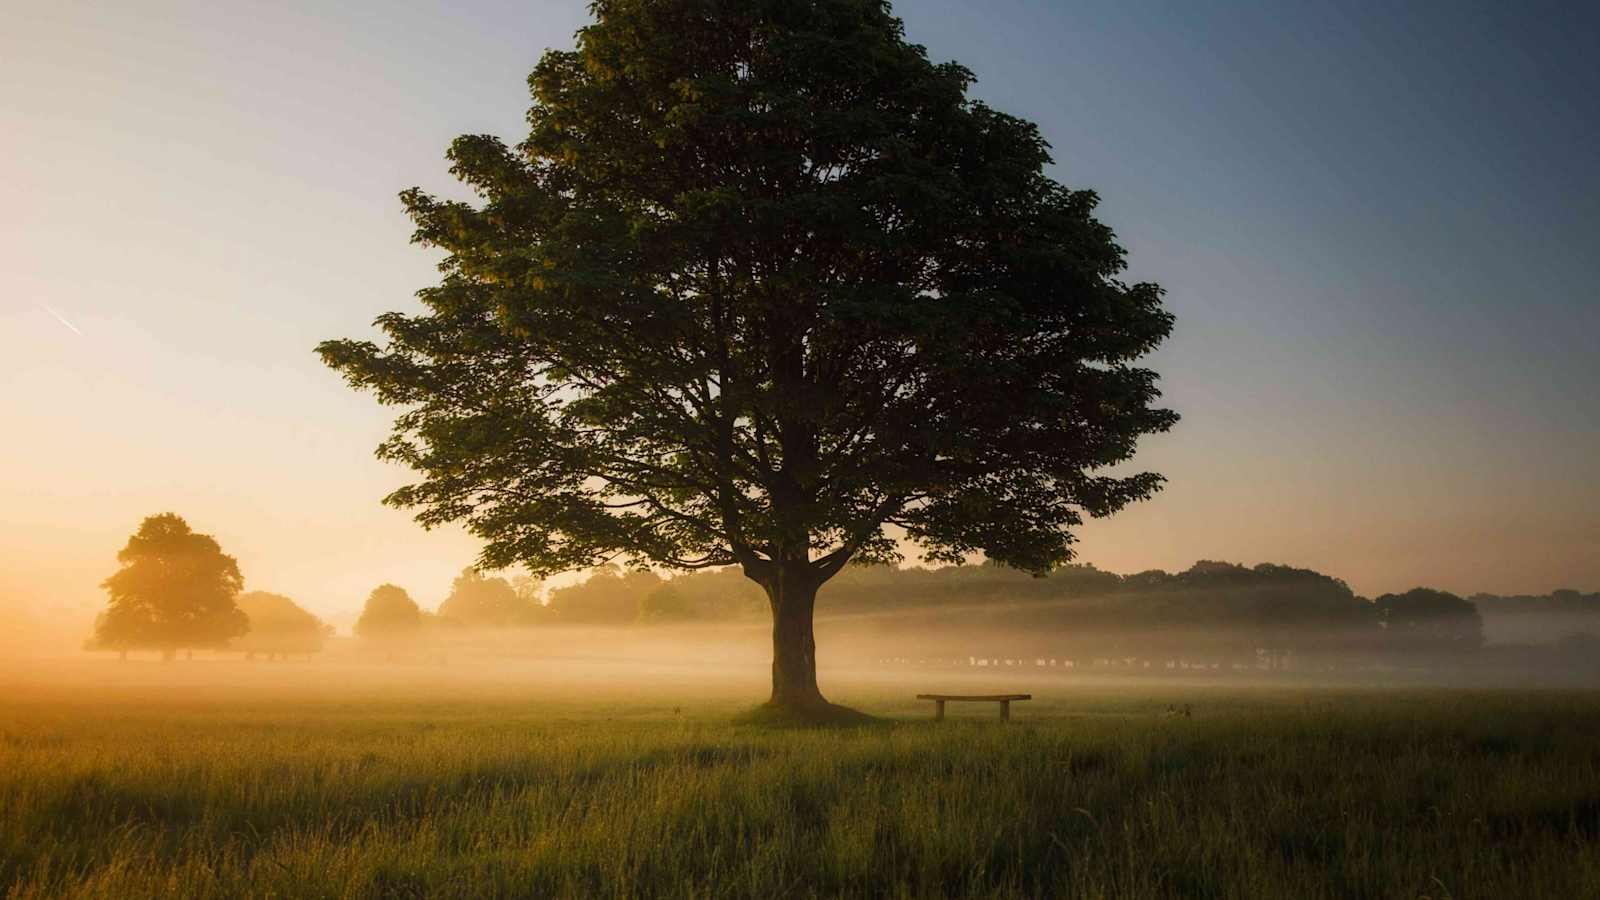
390	614
529	589
1427	621
879	588
761	283
722	594
531	608
279	626
176	590
667	604
609	596
1148	579
1542	619
1299	612
478	601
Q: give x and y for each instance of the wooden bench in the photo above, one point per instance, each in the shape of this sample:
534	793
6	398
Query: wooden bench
1003	699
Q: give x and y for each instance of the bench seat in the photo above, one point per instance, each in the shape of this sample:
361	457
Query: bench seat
1003	699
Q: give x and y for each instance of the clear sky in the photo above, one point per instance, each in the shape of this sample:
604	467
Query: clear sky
1379	227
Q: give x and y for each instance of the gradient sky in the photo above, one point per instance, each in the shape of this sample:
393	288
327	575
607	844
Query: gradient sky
1379	228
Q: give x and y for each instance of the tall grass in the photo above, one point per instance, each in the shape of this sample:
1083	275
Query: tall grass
1096	793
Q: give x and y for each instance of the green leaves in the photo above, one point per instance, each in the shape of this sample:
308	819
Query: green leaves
175	589
760	282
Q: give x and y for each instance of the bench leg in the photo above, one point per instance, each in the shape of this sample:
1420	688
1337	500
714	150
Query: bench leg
938	713
1005	710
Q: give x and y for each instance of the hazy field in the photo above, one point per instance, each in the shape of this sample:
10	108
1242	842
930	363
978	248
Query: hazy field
220	778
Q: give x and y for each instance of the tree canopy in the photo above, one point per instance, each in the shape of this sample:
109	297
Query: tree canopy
609	596
667	604
389	614
176	589
764	286
481	601
1426	620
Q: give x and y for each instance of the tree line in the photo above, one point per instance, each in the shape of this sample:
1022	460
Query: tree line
177	590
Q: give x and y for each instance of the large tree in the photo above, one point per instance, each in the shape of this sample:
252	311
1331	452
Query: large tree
176	589
764	287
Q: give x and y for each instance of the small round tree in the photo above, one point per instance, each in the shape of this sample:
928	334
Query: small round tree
764	287
176	589
390	614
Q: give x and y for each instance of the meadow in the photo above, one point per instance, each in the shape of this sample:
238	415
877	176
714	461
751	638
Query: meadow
224	779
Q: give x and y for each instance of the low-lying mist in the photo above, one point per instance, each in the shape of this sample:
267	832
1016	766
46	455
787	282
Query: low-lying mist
927	629
668	667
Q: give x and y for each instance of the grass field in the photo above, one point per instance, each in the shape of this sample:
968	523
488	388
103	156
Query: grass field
221	780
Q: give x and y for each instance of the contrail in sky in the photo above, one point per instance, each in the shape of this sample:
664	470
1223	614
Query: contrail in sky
62	319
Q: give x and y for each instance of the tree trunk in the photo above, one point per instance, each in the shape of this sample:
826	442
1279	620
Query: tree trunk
794	646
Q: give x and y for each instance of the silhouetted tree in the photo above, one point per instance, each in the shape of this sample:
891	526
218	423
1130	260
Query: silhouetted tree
761	281
1425	621
279	626
176	589
389	614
